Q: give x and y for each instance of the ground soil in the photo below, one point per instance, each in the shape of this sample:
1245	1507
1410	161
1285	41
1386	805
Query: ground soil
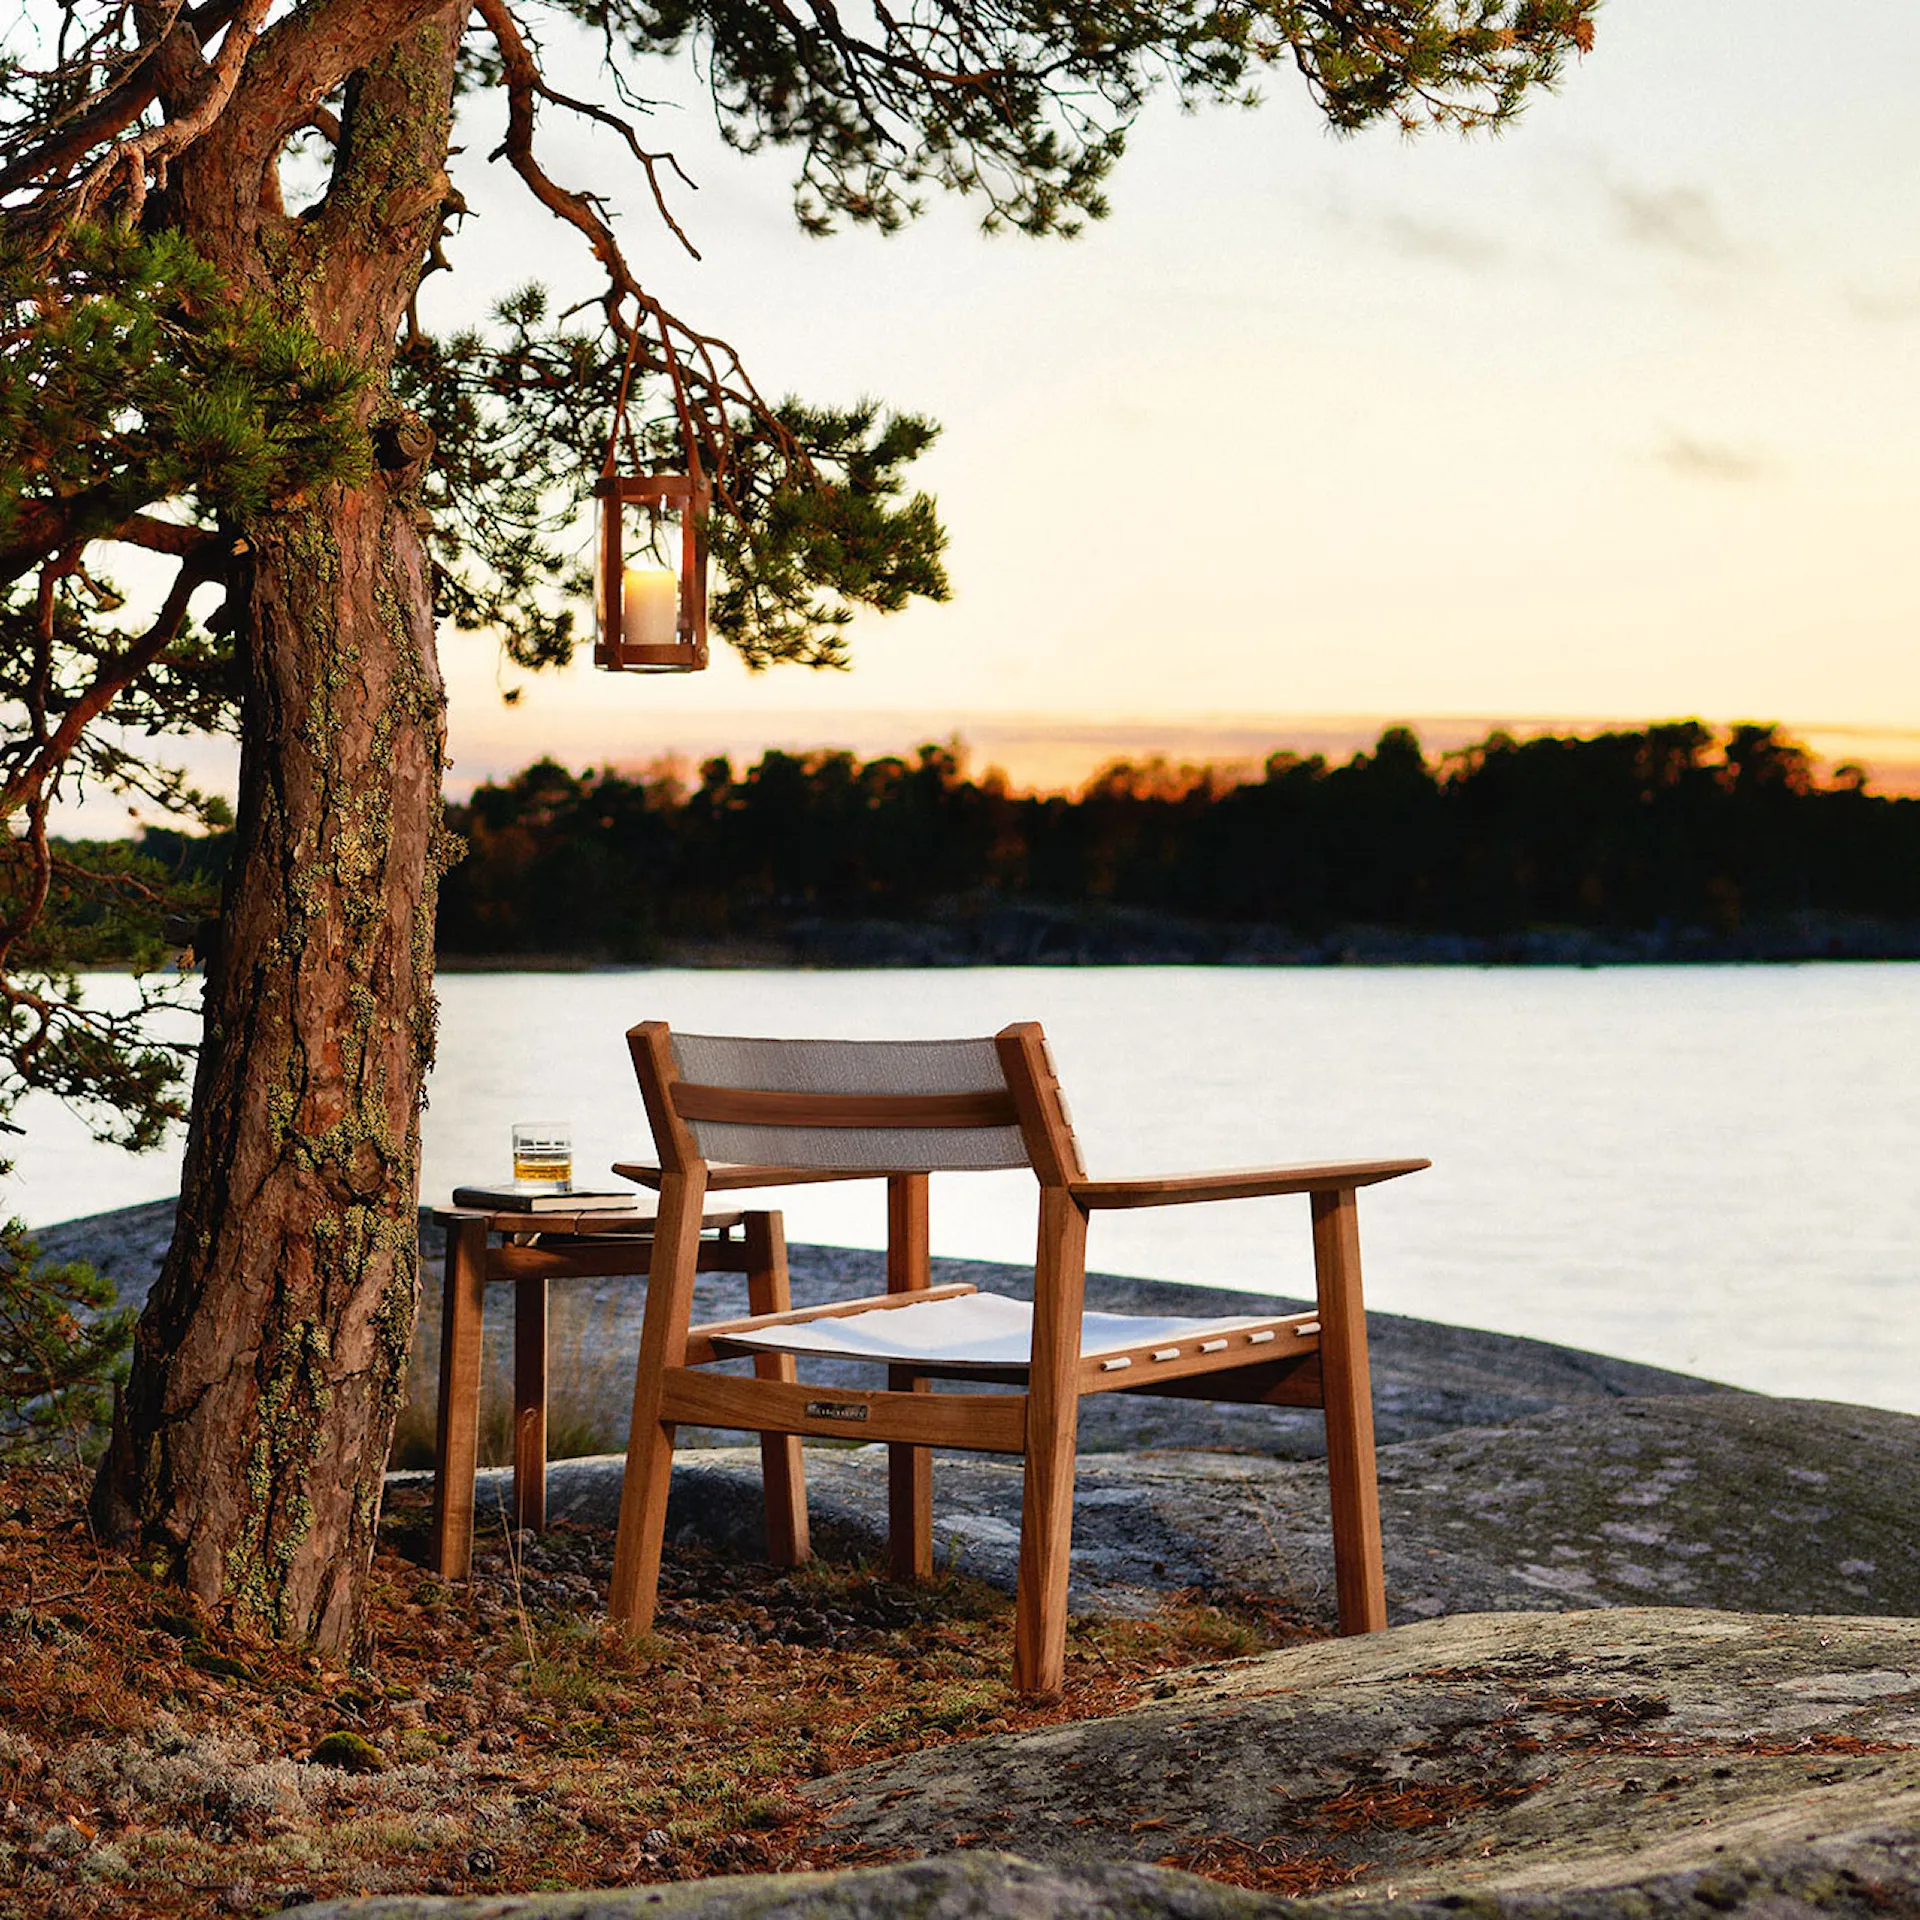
493	1737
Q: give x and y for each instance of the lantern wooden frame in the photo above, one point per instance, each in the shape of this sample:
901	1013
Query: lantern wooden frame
689	495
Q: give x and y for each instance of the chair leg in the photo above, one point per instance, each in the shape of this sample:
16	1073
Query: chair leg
1053	1420
663	1344
1358	1574
909	1469
782	1474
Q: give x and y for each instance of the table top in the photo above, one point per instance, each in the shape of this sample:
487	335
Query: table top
637	1219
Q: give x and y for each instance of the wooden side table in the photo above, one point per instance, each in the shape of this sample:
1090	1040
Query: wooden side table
531	1249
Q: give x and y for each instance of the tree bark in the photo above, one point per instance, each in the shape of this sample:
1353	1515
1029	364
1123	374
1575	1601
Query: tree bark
250	1445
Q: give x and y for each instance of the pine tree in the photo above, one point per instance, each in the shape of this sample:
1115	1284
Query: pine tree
241	391
61	1340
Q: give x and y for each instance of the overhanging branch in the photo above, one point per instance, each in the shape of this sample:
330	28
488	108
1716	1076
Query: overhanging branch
705	373
201	99
27	786
44	527
279	73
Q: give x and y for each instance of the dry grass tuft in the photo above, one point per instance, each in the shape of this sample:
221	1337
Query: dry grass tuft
590	1337
501	1739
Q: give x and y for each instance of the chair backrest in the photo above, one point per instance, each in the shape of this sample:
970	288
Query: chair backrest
856	1106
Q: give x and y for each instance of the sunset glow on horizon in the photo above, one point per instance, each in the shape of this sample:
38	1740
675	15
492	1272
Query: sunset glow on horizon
1049	753
1611	419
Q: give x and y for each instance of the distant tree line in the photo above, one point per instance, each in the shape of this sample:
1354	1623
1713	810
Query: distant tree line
1655	843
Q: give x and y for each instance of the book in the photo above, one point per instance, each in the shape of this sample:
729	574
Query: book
508	1198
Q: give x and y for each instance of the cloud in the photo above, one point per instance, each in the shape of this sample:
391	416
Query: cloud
1678	220
1436	240
1696	459
1415	235
1884	303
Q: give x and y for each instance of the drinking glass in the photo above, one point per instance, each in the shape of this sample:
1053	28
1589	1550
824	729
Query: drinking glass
542	1154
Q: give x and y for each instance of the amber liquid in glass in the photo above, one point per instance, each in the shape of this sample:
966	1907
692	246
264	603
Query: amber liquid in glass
552	1166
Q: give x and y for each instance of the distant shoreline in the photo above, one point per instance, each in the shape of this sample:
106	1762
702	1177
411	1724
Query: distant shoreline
1044	936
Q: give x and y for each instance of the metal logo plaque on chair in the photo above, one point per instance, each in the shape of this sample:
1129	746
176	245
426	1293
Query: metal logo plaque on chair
651	579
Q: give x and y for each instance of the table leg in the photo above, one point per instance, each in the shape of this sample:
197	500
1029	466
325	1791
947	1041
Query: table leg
909	1469
457	1431
530	1404
780	1465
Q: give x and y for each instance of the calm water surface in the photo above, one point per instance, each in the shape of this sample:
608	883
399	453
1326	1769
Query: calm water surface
1708	1168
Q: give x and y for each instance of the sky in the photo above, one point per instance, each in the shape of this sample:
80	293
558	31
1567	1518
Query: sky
1609	418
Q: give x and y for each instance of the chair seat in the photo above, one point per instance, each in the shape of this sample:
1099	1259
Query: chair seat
983	1330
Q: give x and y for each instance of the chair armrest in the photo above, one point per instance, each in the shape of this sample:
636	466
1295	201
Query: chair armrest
732	1179
1240	1183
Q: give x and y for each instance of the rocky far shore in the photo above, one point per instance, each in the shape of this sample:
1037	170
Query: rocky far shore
1000	933
1029	933
1656	1648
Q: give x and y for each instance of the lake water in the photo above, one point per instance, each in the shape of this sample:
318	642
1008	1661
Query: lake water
1714	1169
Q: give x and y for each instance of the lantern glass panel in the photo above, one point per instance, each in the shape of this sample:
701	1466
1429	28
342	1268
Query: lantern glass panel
651	581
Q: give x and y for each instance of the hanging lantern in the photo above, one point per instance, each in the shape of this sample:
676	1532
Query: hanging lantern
652	579
650	587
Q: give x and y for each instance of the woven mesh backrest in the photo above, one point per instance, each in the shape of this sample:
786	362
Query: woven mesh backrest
850	1066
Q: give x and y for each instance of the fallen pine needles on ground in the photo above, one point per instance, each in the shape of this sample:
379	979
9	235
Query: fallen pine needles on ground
495	1736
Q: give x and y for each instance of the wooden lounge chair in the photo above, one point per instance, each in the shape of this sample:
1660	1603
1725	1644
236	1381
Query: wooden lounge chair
729	1114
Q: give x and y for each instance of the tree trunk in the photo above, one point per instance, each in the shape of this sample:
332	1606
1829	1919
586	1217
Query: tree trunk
273	1349
250	1444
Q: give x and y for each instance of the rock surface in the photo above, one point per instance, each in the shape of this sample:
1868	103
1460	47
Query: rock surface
1554	1747
957	1886
1428	1378
1528	1753
1711	1500
1514	1474
1622	1765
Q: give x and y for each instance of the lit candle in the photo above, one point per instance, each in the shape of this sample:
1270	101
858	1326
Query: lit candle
650	607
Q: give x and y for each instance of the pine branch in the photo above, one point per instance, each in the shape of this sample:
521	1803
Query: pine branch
27	786
705	373
195	94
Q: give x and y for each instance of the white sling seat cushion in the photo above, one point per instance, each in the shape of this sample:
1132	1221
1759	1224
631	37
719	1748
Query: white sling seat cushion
972	1330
